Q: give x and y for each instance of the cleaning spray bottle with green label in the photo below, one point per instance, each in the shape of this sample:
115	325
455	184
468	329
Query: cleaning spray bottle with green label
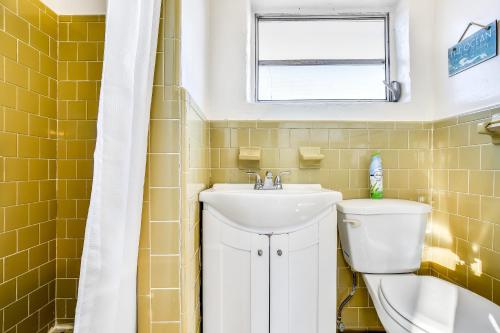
376	177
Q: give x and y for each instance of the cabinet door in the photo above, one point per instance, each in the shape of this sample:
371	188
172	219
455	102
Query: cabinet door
236	279
294	275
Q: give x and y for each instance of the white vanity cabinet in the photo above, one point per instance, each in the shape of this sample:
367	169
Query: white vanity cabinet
235	279
303	279
259	281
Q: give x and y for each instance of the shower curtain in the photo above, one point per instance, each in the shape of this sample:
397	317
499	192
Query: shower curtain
107	287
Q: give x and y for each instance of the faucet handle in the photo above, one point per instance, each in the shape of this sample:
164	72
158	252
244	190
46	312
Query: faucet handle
258	180
252	173
277	181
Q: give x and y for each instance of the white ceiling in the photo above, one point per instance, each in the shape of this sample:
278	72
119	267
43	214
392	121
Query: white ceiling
98	7
323	4
77	7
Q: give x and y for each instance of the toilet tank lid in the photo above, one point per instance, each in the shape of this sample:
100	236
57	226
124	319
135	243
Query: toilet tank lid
382	206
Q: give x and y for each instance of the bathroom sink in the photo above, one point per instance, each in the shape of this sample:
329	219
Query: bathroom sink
269	211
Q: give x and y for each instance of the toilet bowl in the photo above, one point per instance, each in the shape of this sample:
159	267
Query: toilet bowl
383	240
425	304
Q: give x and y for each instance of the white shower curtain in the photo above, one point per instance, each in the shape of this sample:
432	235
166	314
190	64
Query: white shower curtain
107	288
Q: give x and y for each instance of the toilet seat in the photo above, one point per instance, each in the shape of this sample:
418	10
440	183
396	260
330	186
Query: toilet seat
426	304
421	302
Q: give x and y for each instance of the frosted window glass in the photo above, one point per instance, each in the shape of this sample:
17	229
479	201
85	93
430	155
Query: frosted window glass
322	39
321	59
321	82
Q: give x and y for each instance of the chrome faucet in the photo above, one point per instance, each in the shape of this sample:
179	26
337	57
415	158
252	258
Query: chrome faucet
268	183
277	181
258	180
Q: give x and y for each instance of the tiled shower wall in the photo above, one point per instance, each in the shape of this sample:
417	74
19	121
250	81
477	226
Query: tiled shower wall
49	78
159	288
28	91
169	257
347	146
466	202
80	51
195	178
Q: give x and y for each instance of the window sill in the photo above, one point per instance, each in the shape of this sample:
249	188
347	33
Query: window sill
315	102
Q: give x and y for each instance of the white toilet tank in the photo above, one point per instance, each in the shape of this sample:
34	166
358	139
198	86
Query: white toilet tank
382	236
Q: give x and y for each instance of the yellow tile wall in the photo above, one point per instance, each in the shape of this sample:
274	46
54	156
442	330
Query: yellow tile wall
169	254
159	253
159	273
195	178
50	70
169	276
79	67
347	146
466	205
28	125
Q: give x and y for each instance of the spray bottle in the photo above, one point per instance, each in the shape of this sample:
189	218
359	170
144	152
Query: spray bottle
376	177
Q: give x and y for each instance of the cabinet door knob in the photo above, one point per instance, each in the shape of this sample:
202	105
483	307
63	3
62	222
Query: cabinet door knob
260	252
279	252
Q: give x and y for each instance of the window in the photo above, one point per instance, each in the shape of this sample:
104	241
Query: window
311	58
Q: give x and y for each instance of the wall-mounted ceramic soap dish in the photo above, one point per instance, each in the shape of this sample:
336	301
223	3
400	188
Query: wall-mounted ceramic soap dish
310	157
249	157
491	128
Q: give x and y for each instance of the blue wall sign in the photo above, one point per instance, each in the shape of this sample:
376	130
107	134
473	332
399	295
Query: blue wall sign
473	50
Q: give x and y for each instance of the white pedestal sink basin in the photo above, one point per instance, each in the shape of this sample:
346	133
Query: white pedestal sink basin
269	259
269	211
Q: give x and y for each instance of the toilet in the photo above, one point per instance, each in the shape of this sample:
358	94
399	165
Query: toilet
383	240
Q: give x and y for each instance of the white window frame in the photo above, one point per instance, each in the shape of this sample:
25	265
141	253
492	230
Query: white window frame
292	17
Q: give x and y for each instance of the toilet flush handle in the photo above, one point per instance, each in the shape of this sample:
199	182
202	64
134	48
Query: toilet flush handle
353	223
